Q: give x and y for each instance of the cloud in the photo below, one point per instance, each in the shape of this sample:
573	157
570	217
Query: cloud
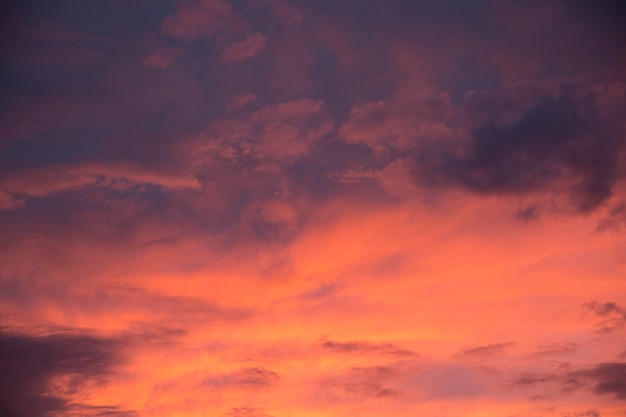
562	144
186	309
486	351
400	122
43	181
163	57
247	412
240	101
363	347
528	214
607	378
252	45
286	12
277	132
615	220
196	18
155	316
556	349
248	378
368	382
451	381
613	315
40	374
605	309
588	413
281	10
291	171
528	379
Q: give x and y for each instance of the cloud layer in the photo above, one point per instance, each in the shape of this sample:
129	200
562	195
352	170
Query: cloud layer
269	208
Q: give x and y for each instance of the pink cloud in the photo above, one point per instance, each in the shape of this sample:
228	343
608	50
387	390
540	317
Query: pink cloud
240	101
194	19
287	13
163	57
402	122
280	9
252	45
278	132
48	180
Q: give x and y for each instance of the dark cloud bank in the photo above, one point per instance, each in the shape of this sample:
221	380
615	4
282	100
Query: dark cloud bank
562	145
607	378
30	365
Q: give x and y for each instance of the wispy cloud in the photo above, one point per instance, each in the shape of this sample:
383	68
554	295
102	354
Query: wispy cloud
363	347
486	351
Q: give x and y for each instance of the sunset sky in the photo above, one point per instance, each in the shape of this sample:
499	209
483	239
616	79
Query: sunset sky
298	208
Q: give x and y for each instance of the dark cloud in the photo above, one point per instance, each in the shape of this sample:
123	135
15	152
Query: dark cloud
613	315
606	378
603	379
31	366
606	17
367	347
530	379
528	214
565	383
605	309
561	144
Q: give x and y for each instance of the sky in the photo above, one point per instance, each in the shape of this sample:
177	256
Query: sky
291	208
